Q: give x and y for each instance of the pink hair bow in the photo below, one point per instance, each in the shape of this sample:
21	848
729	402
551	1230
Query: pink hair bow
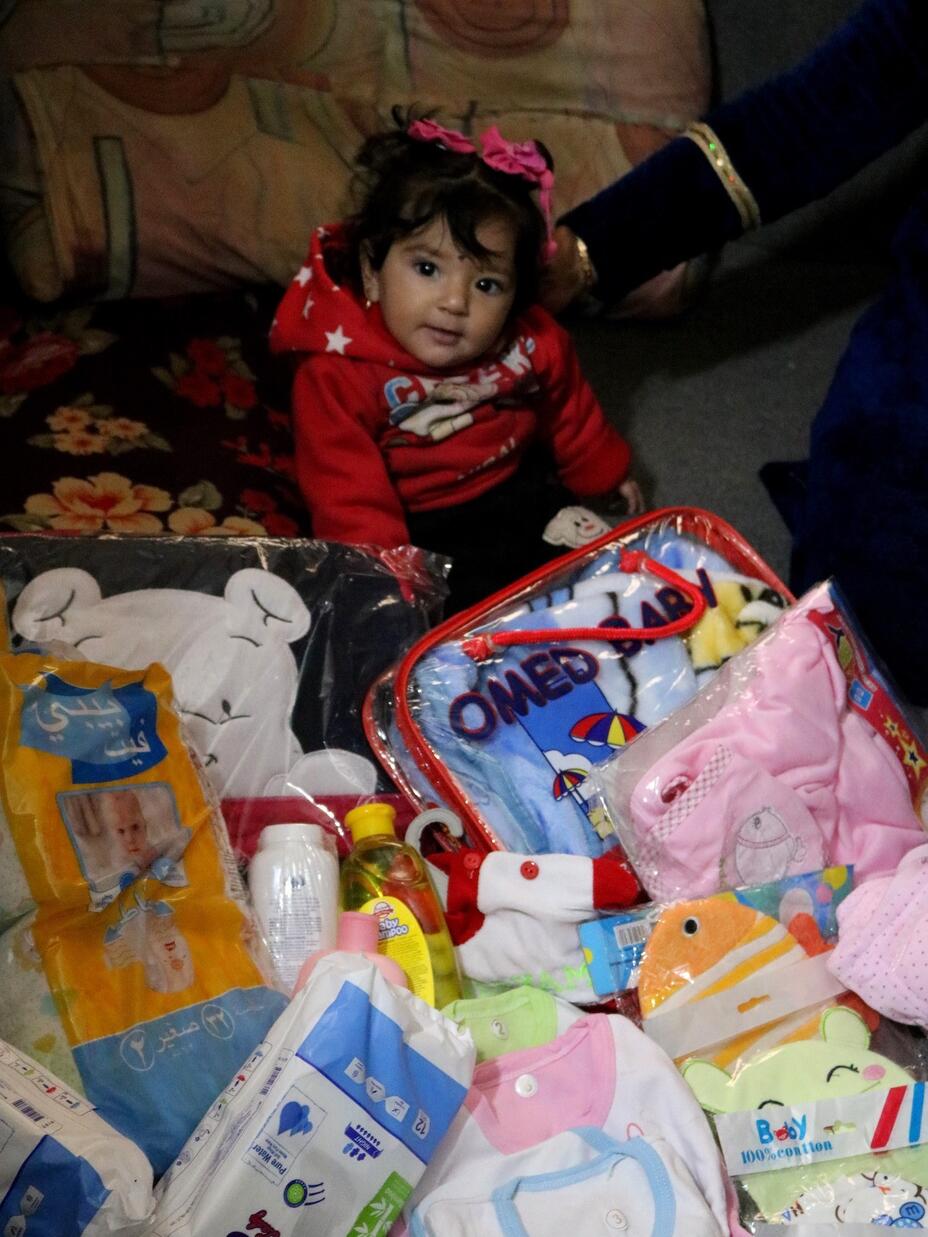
513	158
431	131
526	160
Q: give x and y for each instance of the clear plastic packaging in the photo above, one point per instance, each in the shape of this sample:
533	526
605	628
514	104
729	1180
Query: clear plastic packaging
63	1170
797	755
514	918
271	644
729	976
828	1132
139	977
503	712
881	950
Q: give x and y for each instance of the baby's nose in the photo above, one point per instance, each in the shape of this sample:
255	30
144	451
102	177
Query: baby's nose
455	296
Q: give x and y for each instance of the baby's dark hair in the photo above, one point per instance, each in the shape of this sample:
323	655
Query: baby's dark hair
401	184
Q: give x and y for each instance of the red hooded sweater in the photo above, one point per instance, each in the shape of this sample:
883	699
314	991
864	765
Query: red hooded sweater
378	433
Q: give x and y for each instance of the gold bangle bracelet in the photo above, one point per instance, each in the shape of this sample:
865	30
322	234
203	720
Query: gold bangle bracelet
744	201
587	270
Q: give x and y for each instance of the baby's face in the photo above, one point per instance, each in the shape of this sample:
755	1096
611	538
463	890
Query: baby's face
128	827
445	307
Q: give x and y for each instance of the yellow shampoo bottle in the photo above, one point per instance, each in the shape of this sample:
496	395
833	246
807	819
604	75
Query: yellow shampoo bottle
383	876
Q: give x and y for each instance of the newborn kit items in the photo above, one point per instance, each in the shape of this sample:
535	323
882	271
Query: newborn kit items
649	961
504	715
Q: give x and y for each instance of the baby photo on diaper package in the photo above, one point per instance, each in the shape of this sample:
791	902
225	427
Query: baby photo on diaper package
122	832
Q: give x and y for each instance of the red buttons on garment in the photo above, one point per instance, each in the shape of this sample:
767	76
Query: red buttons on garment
529	869
471	862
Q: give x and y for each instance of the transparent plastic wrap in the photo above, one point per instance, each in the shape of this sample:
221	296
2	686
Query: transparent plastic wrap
138	975
830	1132
514	919
271	644
884	941
502	712
63	1170
729	976
339	1110
797	755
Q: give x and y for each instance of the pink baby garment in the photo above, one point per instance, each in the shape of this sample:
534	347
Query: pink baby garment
784	777
882	951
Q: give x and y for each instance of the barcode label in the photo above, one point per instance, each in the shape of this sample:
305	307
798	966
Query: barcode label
272	1078
629	935
28	1111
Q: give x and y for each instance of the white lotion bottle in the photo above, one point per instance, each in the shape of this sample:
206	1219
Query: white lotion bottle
293	880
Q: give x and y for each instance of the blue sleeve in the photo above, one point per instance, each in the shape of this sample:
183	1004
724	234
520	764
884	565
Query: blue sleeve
792	140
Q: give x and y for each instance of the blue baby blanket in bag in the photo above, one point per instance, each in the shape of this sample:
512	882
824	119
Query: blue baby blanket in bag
501	712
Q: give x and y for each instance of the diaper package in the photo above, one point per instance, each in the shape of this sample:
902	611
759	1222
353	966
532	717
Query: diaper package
504	716
329	1124
796	756
270	642
825	1131
139	973
63	1171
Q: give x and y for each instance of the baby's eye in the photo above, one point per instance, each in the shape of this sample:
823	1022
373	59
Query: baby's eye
492	287
428	269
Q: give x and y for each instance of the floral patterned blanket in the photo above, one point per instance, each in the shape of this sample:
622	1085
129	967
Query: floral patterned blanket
146	417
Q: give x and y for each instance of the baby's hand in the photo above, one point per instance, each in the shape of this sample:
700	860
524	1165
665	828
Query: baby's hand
626	499
634	498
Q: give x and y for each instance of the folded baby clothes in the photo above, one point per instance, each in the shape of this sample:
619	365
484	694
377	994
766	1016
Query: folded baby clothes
739	606
771	771
839	1062
724	980
509	1021
521	730
596	1131
882	950
514	919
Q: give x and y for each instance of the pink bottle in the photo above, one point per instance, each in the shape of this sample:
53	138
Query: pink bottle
356	933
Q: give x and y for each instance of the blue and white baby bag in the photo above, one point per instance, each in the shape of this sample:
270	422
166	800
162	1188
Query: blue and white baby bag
505	710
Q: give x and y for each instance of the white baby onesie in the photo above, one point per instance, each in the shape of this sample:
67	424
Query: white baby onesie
592	1134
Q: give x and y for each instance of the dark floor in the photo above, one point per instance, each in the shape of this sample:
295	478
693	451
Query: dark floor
707	398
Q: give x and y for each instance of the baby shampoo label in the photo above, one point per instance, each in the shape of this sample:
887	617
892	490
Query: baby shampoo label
402	939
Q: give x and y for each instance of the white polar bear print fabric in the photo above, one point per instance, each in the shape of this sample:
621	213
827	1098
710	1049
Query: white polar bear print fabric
270	644
233	673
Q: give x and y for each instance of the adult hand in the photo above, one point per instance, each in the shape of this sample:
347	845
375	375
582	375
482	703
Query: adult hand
567	275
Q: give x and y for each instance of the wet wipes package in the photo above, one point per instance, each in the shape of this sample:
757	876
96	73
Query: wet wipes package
63	1171
329	1124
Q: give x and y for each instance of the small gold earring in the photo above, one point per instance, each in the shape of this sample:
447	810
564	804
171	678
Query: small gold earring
368	302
